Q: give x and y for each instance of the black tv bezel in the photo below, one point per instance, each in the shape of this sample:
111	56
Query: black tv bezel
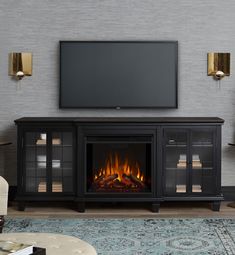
122	107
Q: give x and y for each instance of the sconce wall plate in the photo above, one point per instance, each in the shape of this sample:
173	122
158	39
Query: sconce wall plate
218	65
20	64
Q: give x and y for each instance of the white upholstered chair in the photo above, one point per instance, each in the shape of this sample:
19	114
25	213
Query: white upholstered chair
3	200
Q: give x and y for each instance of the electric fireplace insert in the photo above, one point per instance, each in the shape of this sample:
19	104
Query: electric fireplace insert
118	164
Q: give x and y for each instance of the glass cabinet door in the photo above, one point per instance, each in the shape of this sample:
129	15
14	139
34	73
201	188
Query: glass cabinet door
175	161
189	166
62	162
36	162
48	162
203	169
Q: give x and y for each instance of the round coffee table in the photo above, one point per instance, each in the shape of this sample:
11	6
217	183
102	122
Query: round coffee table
55	244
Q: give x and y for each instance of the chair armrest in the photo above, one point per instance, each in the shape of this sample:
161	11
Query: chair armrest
4	187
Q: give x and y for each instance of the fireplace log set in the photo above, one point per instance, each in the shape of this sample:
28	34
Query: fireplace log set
114	183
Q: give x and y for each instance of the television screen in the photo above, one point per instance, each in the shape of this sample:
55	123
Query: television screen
118	74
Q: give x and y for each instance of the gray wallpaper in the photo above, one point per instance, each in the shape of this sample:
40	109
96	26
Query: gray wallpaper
200	26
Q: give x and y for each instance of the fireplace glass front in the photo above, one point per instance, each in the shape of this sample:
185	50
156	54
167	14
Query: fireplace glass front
119	164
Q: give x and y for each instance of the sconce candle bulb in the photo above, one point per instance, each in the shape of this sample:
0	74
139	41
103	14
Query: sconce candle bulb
20	75
219	75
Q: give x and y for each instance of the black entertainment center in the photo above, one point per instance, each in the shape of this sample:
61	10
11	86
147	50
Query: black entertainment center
119	159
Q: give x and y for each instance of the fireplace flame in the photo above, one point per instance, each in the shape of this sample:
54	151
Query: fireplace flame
118	173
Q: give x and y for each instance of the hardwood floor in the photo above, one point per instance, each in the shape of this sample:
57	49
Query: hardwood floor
167	210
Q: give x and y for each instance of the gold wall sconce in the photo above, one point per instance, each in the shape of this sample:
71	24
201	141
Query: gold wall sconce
218	65
20	64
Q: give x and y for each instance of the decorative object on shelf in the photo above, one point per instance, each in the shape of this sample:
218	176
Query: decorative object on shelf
55	141
57	187
196	161
180	188
218	65
41	142
42	187
41	158
196	188
182	162
20	64
41	162
43	136
56	163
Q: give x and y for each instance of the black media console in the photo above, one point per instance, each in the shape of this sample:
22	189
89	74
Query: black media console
119	160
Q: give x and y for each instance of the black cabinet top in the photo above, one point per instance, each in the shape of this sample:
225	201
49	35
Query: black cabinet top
119	120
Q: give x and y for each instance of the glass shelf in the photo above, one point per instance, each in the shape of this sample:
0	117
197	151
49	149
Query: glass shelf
202	145
44	145
61	145
175	145
176	168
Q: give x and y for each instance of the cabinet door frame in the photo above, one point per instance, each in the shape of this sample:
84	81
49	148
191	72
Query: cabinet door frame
216	132
49	130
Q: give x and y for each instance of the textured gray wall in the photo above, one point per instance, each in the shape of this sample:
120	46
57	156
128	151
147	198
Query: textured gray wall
200	26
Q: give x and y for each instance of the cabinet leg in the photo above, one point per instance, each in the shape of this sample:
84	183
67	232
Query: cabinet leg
21	206
155	207
216	206
81	207
1	223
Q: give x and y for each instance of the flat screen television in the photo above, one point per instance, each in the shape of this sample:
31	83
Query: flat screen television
118	74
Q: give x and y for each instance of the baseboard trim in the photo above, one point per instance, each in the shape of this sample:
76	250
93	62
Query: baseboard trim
227	191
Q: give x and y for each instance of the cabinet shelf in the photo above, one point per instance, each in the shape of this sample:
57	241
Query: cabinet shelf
176	168
203	168
193	168
202	145
62	145
176	145
35	145
45	145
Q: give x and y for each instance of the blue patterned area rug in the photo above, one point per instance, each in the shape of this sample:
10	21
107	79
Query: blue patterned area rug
140	236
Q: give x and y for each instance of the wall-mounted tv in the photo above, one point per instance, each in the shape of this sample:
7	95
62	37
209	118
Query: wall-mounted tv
118	74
